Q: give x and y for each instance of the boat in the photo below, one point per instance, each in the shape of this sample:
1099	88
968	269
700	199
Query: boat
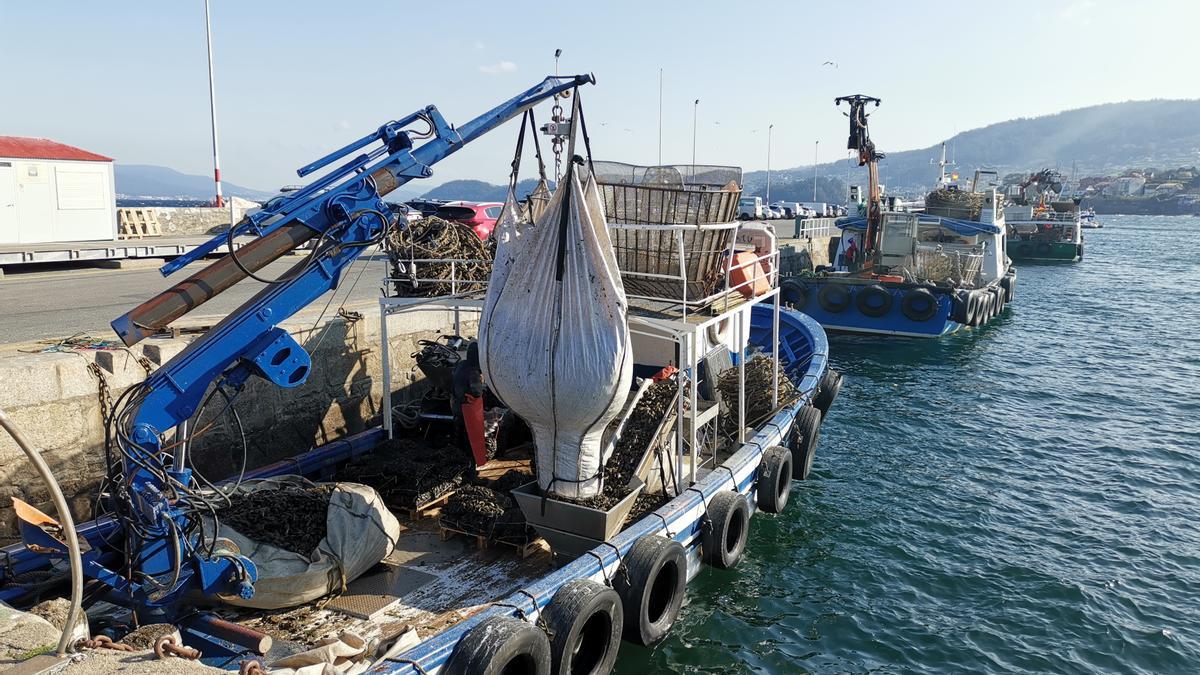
1042	227
1088	220
451	600
906	273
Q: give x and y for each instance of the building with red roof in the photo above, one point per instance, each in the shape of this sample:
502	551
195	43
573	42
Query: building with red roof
51	191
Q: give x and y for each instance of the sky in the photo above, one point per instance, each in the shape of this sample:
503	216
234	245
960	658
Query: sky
295	79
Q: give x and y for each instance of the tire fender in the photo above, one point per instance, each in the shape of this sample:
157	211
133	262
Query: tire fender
726	528
585	620
863	298
794	293
827	391
806	431
774	479
651	582
834	298
922	297
501	644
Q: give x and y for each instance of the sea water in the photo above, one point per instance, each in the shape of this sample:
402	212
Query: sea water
1024	497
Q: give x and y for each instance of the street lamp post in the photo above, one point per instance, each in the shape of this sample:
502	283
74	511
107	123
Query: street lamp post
695	112
212	106
816	150
769	128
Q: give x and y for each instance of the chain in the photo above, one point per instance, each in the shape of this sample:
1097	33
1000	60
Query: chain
105	394
103	642
166	646
556	142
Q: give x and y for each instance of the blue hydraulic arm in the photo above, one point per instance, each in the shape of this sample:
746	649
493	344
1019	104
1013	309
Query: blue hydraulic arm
344	211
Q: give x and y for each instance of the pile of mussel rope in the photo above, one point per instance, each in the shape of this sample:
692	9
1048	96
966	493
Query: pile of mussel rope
489	510
441	240
645	419
291	517
427	472
759	371
961	204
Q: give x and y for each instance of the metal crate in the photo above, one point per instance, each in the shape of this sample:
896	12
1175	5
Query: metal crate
673	262
668	195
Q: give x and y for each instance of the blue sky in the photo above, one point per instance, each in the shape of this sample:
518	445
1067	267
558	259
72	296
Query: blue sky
294	79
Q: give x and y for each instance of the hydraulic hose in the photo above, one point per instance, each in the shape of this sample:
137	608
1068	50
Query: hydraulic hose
68	525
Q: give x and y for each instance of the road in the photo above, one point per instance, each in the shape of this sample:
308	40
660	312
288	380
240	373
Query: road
45	305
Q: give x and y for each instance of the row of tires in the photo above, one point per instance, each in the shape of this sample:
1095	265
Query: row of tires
580	631
917	304
978	306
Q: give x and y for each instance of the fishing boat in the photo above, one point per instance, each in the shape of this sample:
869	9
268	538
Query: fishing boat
1042	227
908	273
1088	219
704	315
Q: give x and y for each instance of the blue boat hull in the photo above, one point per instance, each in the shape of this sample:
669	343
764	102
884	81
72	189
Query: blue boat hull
892	322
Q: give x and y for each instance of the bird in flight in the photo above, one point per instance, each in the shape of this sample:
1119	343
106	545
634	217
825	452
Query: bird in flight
830	63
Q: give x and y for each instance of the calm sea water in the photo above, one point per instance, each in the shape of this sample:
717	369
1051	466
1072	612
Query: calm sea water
1021	498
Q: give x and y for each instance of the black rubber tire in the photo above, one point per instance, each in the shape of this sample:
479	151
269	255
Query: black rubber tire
998	299
972	309
1008	283
1042	248
960	310
774	479
585	620
726	529
806	433
834	298
873	300
651	583
501	644
919	304
1025	249
1079	251
985	307
827	391
794	293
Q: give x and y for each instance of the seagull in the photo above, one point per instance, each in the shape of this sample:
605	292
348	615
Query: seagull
830	63
629	130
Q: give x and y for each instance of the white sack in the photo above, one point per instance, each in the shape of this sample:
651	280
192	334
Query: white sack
557	352
361	531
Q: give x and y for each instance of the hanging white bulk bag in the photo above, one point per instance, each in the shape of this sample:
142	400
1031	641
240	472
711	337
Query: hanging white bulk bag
553	338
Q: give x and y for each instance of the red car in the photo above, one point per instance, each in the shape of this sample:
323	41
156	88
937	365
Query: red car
480	216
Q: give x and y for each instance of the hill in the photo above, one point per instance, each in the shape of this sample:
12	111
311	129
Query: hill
1096	140
479	191
145	180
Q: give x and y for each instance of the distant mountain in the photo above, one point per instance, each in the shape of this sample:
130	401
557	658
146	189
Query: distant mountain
479	191
1096	140
144	180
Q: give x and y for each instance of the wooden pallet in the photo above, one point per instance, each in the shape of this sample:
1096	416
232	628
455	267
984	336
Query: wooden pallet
427	509
137	223
483	543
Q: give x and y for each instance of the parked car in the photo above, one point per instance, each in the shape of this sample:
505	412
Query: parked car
770	213
480	216
426	207
406	213
750	208
785	208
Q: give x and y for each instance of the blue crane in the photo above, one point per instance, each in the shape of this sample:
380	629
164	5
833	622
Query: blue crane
155	495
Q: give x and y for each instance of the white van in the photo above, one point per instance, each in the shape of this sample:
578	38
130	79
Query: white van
750	208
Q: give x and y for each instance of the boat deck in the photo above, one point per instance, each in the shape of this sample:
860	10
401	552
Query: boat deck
429	583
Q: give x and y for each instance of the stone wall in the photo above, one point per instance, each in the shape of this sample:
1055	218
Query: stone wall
197	220
54	398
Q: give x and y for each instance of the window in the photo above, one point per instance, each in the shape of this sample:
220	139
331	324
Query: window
493	211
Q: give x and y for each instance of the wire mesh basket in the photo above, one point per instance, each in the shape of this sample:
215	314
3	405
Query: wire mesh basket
673	262
938	264
668	195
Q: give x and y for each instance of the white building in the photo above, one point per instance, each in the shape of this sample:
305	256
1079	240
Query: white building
1127	186
54	192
